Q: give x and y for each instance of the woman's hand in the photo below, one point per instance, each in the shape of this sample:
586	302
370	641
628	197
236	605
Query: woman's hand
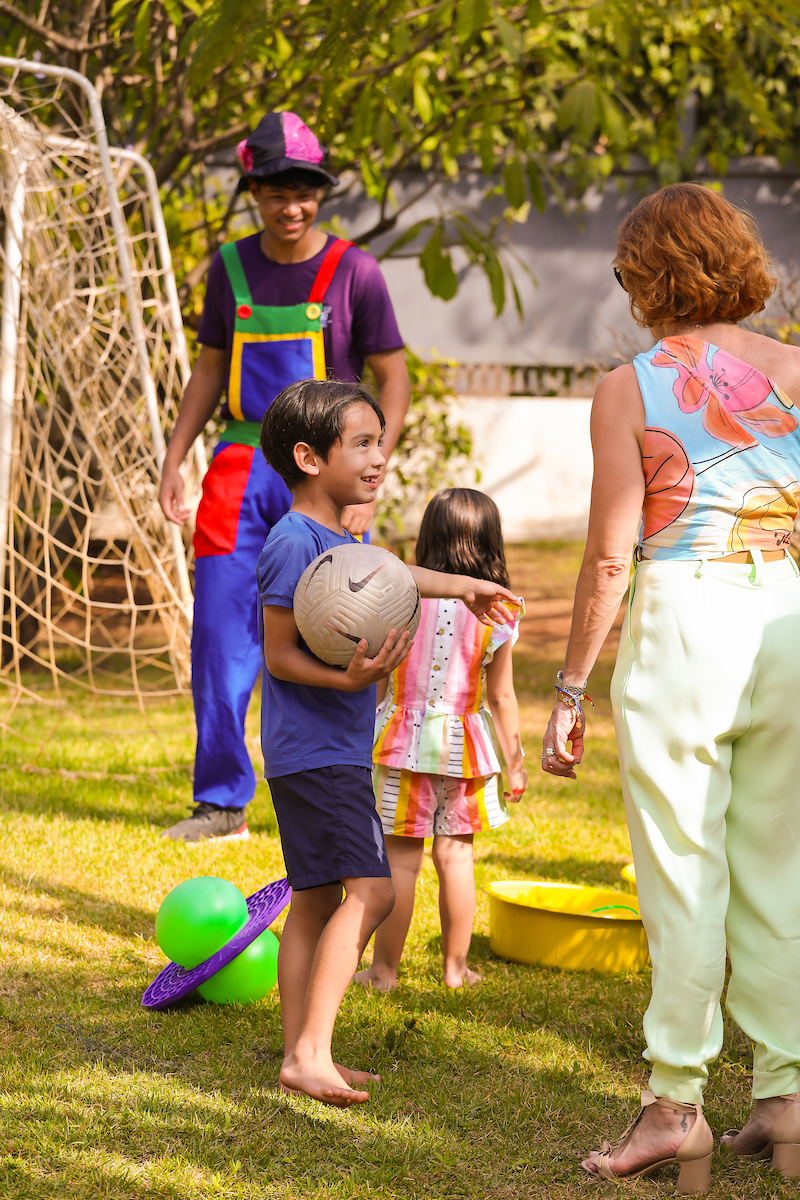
517	779
564	726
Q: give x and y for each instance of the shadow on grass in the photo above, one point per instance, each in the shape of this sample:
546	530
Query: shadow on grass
408	1144
598	872
73	798
487	1092
80	908
152	802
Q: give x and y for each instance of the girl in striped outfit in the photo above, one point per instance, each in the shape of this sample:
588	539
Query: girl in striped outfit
437	770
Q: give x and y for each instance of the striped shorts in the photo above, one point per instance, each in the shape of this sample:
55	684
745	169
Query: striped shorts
411	804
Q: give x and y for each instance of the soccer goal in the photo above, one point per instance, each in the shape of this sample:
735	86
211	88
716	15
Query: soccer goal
95	583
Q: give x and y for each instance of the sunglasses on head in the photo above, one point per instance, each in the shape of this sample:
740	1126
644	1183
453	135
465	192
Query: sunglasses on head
618	277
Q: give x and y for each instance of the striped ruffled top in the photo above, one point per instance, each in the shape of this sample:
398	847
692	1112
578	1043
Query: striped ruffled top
434	719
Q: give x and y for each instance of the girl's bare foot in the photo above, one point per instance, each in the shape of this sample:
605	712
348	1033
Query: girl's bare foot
461	976
319	1079
376	980
657	1136
754	1137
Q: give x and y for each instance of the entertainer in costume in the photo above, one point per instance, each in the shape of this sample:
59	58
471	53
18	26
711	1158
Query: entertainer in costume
697	463
286	304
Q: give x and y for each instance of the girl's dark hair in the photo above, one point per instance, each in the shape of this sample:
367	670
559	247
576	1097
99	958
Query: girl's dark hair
461	534
312	411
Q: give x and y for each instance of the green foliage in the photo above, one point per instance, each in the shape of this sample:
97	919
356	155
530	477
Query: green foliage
433	448
783	321
533	92
438	267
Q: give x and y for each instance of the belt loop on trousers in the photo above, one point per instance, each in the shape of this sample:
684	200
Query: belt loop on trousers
701	566
757	573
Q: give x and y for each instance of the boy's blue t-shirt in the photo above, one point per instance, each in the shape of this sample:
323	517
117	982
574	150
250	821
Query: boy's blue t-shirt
306	727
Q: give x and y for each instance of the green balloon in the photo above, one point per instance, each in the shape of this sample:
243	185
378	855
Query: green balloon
248	977
199	917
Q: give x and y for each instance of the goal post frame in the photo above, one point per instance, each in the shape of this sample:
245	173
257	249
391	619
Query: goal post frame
10	321
9	350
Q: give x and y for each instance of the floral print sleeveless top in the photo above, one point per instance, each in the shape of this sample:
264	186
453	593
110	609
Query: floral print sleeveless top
721	454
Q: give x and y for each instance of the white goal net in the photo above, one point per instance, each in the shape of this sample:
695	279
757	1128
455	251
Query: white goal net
94	583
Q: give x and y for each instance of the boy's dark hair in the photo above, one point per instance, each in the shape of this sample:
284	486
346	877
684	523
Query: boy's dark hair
461	534
312	411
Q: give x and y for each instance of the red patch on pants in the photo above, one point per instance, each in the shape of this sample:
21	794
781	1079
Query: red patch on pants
223	490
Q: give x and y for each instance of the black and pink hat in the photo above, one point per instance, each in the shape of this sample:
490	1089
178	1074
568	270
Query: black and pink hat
281	142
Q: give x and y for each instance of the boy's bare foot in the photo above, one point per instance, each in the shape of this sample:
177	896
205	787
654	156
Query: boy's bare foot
350	1077
320	1080
461	977
375	980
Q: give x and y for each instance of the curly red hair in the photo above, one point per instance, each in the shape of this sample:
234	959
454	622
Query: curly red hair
685	253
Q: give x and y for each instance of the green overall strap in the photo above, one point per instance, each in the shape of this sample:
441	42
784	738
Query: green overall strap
241	433
235	272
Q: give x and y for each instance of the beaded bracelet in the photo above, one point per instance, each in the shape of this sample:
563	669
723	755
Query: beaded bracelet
571	695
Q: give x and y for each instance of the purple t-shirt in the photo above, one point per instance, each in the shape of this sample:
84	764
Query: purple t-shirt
361	320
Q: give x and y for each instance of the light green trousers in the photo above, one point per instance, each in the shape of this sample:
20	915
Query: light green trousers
706	697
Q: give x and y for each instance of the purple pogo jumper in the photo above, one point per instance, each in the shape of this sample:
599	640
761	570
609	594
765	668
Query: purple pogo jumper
174	982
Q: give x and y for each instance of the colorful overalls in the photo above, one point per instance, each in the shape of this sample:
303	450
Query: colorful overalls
243	498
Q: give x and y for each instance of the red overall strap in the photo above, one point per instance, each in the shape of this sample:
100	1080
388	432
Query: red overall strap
325	274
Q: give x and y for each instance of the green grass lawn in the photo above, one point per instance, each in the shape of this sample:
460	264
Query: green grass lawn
488	1092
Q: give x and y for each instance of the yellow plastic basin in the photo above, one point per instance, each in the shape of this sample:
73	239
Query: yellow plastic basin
565	925
629	875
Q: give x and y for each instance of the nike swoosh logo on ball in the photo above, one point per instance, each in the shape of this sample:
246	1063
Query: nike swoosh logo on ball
350	637
356	587
327	559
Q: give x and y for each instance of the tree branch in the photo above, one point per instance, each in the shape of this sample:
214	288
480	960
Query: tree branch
386	223
50	35
385	68
197	273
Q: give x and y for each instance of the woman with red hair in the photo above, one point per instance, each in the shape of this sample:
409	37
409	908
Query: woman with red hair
697	467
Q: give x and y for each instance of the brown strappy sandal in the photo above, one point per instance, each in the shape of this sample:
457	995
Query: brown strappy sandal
783	1146
693	1155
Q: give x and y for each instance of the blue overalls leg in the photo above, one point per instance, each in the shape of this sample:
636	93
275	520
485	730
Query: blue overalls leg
242	499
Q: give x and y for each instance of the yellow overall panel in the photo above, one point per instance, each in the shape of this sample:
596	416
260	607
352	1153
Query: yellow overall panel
239	339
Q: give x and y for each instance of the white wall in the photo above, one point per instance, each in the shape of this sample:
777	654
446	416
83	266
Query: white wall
535	459
576	313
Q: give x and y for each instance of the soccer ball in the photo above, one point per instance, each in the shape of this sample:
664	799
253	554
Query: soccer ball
352	592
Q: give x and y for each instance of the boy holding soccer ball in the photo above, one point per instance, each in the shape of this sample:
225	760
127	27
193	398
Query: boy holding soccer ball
324	440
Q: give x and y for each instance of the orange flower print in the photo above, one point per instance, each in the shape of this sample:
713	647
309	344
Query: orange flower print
669	479
732	395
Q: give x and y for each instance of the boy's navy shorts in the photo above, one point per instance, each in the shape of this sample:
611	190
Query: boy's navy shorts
329	827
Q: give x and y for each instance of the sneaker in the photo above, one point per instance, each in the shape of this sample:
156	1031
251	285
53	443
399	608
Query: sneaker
211	821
